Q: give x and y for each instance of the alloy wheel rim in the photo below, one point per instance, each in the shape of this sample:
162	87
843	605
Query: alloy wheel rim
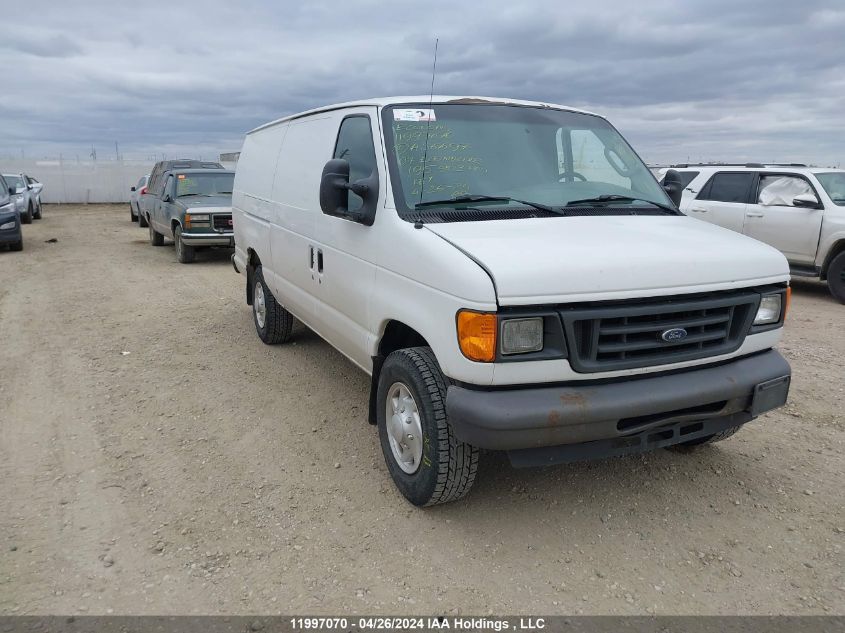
404	429
259	304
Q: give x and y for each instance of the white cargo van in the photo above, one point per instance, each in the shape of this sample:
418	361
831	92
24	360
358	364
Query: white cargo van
512	277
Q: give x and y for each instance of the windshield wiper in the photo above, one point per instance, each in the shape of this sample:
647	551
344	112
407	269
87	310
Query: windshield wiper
616	198
482	198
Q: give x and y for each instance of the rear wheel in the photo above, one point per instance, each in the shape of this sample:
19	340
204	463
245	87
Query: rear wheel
272	322
184	254
156	238
26	218
428	464
132	216
38	211
836	277
142	220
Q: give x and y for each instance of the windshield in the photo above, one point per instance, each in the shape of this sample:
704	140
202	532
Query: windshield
204	184
532	154
834	184
15	181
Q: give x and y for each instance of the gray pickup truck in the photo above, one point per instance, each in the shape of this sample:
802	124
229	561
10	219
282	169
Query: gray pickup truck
191	203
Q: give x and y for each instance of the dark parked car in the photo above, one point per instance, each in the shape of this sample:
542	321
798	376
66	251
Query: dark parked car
10	219
192	206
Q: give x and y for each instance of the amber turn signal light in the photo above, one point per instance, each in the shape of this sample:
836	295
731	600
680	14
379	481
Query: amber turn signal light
788	301
477	335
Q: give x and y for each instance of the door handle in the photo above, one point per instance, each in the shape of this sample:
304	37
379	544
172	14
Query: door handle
320	261
698	210
755	215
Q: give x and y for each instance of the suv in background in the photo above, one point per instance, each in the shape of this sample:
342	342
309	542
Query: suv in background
190	205
797	209
10	219
26	196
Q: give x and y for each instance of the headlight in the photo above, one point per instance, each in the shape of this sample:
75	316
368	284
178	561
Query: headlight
520	336
769	310
196	218
8	225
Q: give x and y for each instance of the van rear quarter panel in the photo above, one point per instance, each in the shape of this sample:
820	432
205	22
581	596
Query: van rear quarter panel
252	206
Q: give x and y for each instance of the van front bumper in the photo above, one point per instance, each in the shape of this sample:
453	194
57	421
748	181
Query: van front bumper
208	239
544	425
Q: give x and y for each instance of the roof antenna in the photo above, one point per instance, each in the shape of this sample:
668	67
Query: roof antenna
418	223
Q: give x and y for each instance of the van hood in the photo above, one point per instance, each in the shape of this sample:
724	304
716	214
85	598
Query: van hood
559	260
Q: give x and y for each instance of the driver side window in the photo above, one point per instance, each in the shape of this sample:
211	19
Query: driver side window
355	145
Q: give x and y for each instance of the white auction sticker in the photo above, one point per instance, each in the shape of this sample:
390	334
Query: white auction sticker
413	115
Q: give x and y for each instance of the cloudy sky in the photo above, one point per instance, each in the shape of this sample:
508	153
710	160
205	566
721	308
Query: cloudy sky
682	79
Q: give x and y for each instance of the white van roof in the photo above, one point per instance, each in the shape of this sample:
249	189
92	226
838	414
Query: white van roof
437	99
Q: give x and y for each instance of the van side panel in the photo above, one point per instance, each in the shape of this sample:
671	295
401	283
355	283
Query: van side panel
252	206
296	205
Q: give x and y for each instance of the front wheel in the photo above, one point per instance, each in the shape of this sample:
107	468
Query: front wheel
16	246
156	238
26	218
142	220
38	211
836	277
272	322
428	464
184	254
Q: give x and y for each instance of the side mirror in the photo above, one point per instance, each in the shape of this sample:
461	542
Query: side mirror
166	197
12	191
335	188
806	201
674	186
131	188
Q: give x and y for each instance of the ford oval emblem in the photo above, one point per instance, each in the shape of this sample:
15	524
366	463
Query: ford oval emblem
674	334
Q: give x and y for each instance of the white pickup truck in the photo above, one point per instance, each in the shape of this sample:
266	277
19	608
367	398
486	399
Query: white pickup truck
512	277
797	209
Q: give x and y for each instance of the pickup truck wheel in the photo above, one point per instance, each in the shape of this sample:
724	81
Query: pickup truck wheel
272	322
156	238
688	447
26	218
142	221
428	464
836	277
184	254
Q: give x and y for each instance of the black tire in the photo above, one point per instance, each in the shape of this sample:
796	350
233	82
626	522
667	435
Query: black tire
132	216
156	238
836	277
448	466
278	322
689	447
26	218
16	246
184	254
142	221
38	211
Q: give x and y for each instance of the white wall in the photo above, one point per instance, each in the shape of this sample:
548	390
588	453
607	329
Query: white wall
72	181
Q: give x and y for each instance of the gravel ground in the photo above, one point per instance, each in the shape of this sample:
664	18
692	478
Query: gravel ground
156	457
